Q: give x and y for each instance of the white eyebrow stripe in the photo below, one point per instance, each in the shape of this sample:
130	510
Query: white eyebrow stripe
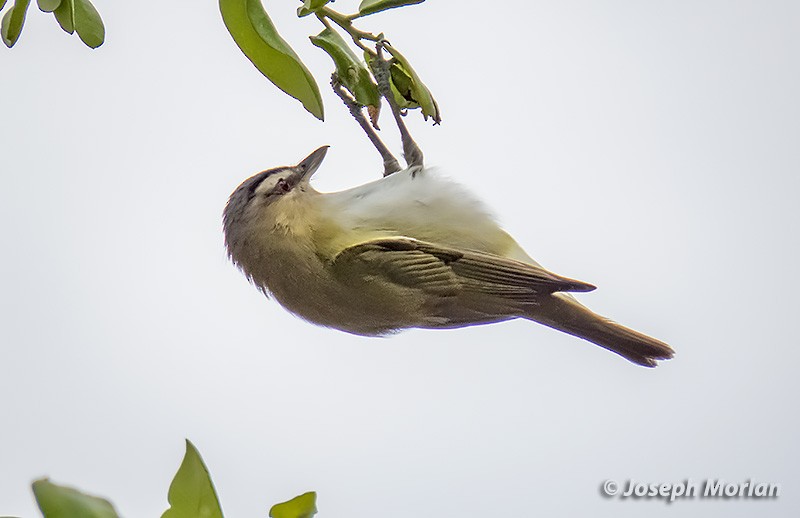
268	184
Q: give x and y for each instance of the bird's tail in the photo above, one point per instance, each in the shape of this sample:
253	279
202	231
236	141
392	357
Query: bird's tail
563	312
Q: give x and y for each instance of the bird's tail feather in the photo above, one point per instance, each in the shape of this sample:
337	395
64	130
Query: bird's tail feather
563	312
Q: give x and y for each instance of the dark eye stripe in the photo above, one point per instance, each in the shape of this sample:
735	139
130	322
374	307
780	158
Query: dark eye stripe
256	180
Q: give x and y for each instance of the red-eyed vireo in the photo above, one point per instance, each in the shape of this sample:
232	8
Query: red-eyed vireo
409	250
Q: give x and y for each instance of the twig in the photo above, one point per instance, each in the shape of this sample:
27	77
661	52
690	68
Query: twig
346	23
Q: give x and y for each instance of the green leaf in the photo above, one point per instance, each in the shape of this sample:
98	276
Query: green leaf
402	84
309	6
88	24
192	494
375	6
12	23
303	506
2	4
411	86
65	502
65	15
351	71
254	33
48	6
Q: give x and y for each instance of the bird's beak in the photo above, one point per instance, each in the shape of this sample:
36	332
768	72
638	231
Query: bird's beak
311	163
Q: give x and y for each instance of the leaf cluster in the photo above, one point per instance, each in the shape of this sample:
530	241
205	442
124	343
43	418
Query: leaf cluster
191	495
74	16
255	34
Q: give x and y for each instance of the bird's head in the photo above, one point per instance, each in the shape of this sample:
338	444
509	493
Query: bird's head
265	198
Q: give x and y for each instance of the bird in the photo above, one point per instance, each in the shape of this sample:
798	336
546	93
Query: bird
413	249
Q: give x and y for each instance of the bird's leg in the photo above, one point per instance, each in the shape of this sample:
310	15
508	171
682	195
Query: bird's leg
411	151
390	163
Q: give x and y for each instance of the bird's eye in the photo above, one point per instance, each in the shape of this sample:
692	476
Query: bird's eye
283	186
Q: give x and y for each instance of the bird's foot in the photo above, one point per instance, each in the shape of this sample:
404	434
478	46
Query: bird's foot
382	70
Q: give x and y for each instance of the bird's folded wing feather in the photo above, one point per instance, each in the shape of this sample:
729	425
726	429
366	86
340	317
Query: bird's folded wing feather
446	271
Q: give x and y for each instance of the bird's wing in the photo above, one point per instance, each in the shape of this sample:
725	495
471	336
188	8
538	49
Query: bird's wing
446	271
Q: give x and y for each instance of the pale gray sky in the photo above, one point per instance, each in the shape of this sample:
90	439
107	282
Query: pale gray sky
650	148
